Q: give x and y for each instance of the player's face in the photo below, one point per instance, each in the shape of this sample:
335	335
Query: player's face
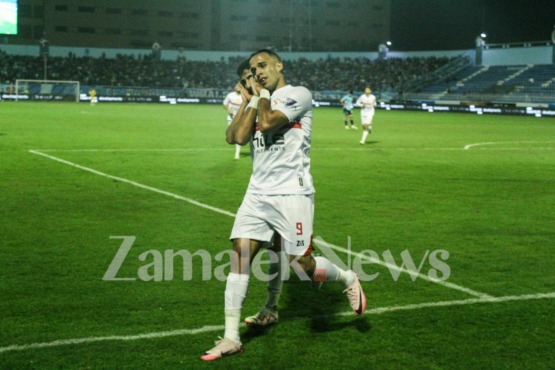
266	70
367	91
246	79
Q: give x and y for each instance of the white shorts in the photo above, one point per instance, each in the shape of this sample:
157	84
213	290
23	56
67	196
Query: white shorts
292	216
366	117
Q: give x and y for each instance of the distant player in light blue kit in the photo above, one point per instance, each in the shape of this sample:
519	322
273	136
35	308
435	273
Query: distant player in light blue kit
347	102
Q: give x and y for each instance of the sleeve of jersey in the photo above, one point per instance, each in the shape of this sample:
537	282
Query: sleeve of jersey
296	103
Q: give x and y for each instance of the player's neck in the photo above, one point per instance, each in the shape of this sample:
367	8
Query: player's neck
281	83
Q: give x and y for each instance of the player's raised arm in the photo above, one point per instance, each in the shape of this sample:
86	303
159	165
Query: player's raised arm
241	127
245	124
269	119
230	132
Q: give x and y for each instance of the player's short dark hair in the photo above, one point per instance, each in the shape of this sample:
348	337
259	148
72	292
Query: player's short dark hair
245	64
270	52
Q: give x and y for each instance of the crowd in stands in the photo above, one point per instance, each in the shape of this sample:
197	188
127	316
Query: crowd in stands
145	71
357	73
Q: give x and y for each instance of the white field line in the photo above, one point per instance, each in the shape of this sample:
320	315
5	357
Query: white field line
522	149
213	328
359	149
469	146
224	212
146	187
366	148
319	241
132	150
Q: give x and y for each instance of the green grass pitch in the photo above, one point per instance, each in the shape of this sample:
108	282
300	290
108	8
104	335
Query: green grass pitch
481	188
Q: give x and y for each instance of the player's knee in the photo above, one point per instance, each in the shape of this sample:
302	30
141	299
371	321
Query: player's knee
241	248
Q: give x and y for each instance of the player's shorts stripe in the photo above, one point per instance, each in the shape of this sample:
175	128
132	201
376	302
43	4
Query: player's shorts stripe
310	248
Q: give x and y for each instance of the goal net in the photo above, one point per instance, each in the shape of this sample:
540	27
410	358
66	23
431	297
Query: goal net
47	90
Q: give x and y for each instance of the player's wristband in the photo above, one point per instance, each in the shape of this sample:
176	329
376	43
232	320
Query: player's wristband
264	94
253	103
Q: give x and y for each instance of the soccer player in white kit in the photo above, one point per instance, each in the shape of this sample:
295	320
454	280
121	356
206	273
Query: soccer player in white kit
367	103
280	197
231	103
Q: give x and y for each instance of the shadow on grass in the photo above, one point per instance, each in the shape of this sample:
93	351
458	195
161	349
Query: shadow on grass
254	332
318	307
327	324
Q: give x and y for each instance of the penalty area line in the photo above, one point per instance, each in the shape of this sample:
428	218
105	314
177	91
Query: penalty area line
320	242
139	185
230	214
213	328
162	150
108	150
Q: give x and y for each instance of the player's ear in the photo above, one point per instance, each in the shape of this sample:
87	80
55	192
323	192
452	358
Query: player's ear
279	66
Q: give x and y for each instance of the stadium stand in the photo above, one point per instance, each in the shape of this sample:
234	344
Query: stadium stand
525	83
130	71
416	79
499	84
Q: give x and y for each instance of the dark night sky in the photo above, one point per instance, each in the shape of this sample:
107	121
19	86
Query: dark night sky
454	24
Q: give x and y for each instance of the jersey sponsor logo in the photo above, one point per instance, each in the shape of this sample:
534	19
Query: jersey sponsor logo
288	102
268	140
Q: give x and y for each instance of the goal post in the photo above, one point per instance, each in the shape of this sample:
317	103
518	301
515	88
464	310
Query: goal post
47	90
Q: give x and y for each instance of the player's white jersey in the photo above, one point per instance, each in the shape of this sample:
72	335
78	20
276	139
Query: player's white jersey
280	159
233	102
367	102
